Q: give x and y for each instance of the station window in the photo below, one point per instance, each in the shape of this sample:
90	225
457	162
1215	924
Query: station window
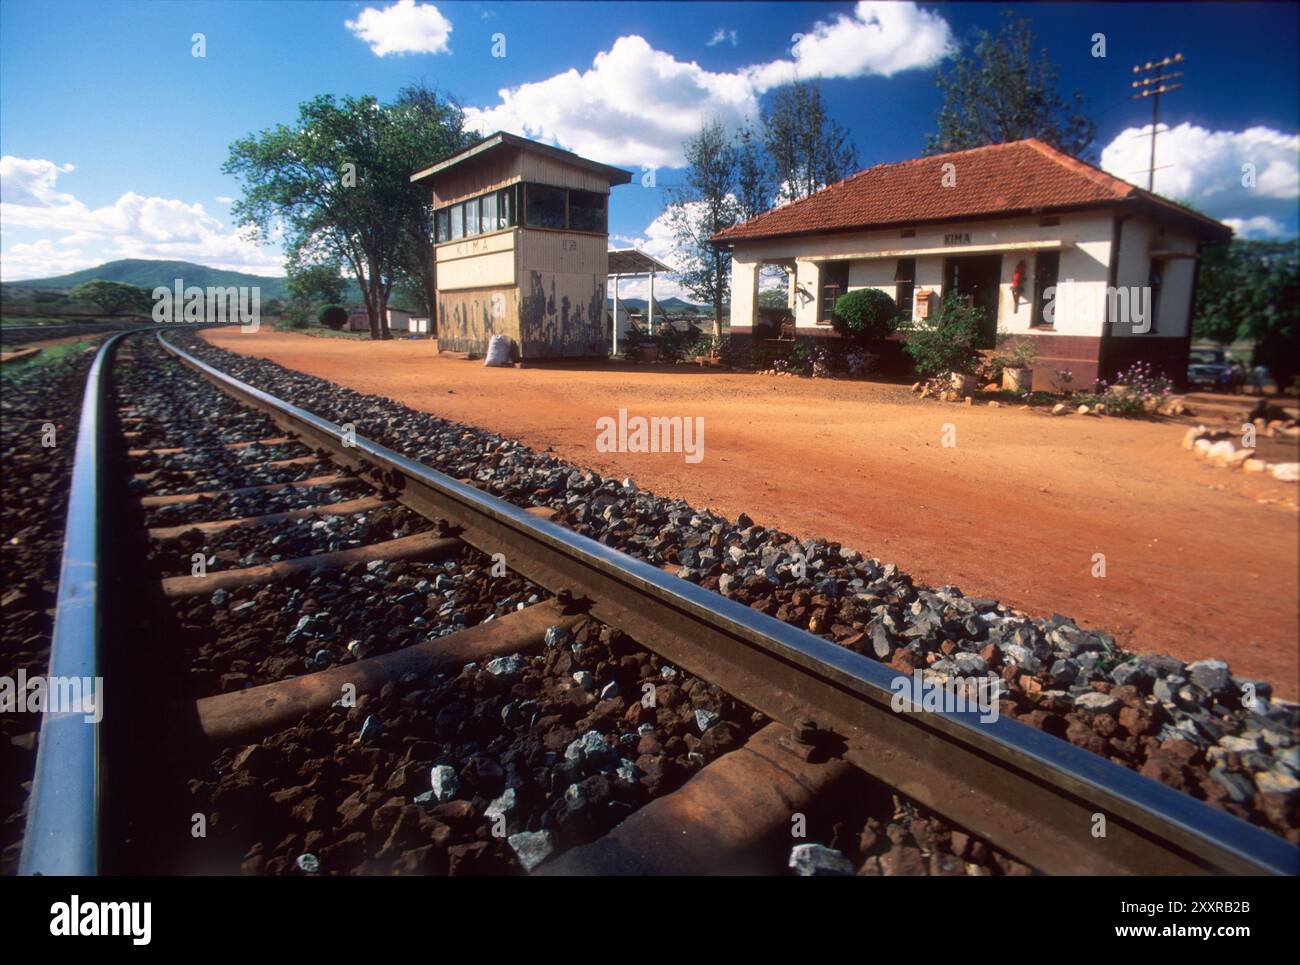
472	218
587	211
905	286
546	206
835	282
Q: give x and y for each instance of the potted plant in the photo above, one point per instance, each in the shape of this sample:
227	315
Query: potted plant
1018	367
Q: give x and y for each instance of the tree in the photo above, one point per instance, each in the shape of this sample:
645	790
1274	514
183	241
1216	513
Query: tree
806	148
338	183
999	93
703	205
114	297
315	284
427	128
754	191
327	184
1251	290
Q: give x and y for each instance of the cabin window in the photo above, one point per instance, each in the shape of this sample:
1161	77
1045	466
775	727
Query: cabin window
489	212
507	216
442	224
546	206
587	211
904	286
457	212
472	218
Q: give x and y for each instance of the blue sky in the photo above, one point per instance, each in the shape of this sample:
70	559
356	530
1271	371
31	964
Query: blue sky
113	133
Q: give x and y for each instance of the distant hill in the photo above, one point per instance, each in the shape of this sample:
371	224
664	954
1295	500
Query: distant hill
672	305
149	274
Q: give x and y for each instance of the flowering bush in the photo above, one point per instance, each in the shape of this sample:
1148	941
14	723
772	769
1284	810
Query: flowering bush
1142	381
821	363
859	362
1135	391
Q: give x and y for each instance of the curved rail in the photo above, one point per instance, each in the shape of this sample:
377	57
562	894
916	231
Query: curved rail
1029	793
62	834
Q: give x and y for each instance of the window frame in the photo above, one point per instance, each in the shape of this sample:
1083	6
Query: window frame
603	220
537	190
841	270
906	282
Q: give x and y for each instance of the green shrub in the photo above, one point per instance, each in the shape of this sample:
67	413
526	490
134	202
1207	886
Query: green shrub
295	317
674	346
949	343
332	316
865	315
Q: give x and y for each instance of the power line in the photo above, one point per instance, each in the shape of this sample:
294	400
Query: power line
1153	86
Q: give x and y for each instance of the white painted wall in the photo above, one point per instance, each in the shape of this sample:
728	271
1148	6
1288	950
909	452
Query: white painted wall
1085	263
1140	236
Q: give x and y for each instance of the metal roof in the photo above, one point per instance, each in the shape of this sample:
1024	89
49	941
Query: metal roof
502	139
633	261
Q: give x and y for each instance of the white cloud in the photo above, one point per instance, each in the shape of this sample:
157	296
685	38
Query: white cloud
30	181
1260	226
41	259
636	105
405	27
222	199
134	226
1210	170
722	36
878	38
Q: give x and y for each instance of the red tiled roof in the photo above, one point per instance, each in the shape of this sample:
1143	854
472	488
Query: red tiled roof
1021	176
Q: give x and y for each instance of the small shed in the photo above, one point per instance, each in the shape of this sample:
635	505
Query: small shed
521	233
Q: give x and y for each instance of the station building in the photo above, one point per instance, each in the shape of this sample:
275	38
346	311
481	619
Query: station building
1097	272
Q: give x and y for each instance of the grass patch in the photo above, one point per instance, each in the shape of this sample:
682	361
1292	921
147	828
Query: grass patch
48	356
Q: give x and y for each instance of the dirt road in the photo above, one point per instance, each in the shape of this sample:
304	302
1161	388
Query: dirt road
1199	562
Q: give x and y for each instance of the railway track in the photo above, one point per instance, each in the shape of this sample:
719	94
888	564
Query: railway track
320	655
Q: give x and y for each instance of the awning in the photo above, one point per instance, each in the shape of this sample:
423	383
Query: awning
633	261
1055	245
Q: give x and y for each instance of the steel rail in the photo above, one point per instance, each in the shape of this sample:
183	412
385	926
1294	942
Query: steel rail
62	833
1033	795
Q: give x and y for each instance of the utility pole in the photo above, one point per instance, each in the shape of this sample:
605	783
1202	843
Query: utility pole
1153	86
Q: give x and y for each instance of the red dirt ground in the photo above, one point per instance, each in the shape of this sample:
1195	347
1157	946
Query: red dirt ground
1200	561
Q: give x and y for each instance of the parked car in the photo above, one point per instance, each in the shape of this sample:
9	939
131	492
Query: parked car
1208	366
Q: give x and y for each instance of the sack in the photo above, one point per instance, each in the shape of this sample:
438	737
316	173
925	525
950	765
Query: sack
498	352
